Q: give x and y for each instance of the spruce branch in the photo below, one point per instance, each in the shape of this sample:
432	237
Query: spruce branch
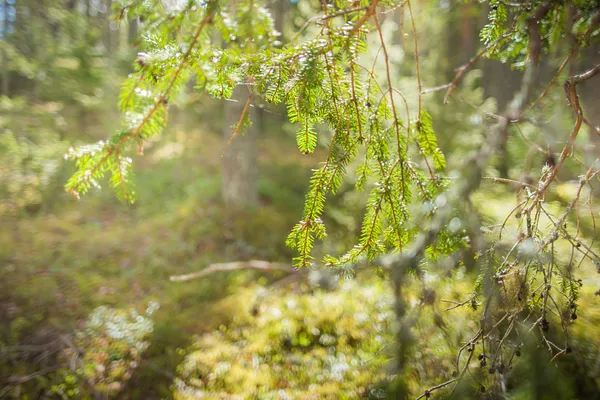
115	148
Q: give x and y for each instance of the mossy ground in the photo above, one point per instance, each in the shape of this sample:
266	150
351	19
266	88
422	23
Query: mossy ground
72	256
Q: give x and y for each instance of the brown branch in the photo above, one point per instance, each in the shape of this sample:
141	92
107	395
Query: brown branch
342	13
577	79
427	393
240	122
457	304
370	11
436	89
462	70
505	180
573	98
234	266
564	64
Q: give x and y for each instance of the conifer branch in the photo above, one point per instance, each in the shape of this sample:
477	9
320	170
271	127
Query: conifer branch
160	102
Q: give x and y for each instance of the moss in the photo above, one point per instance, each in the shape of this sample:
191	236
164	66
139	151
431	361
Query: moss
292	346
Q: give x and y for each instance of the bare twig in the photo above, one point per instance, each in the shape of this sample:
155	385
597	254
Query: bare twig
505	180
428	392
234	266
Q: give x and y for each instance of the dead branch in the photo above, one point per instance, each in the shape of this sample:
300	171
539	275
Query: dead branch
234	266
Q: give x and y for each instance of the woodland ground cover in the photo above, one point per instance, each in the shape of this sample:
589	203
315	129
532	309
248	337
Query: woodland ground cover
461	255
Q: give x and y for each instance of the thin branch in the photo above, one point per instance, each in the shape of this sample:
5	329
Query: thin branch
370	11
436	89
571	91
463	69
427	393
554	78
234	266
505	180
343	12
577	79
240	122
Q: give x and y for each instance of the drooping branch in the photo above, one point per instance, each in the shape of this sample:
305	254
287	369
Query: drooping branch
160	102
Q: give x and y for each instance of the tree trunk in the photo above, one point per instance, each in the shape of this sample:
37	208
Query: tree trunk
461	33
108	39
3	35
279	10
500	82
5	74
238	185
133	30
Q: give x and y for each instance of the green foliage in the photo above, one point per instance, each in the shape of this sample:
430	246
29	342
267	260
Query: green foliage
323	96
496	20
519	42
428	141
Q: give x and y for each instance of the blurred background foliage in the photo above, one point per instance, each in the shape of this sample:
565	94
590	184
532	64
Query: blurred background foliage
74	272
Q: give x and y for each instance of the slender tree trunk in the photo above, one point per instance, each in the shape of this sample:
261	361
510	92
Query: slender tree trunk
3	35
133	30
109	34
461	33
279	10
239	186
5	87
501	83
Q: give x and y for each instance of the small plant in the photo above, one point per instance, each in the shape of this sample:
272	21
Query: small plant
108	349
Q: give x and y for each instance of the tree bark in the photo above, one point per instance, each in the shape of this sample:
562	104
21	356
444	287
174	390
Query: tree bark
239	175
